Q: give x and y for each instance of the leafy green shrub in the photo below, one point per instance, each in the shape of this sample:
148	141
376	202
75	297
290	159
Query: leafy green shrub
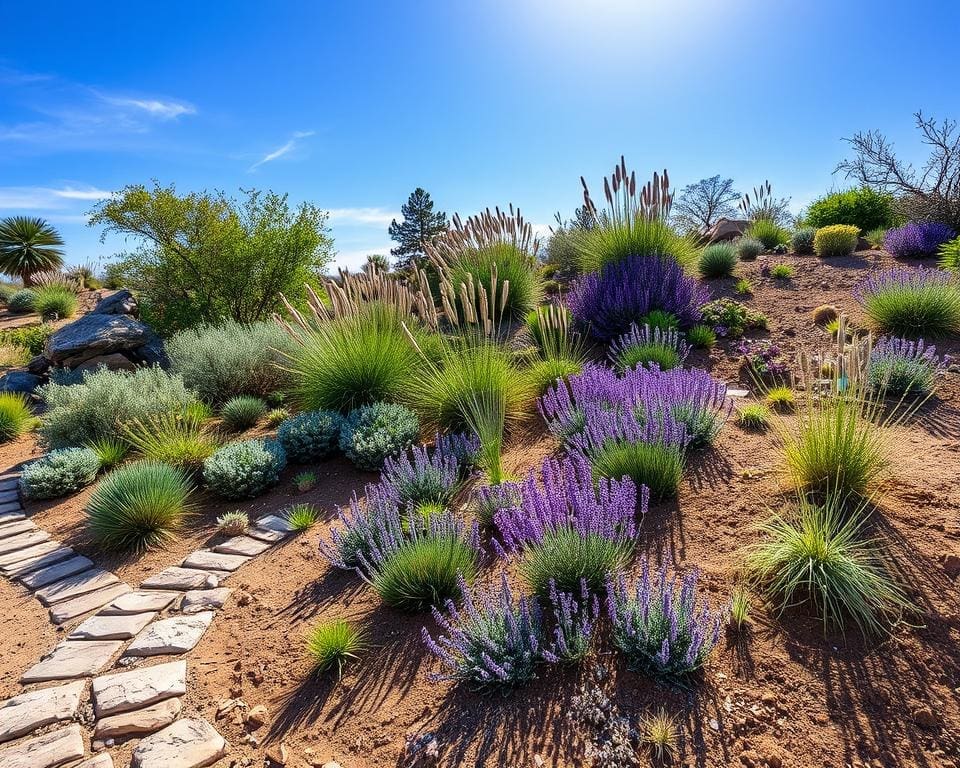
244	469
477	265
229	359
353	361
950	255
102	401
110	450
731	318
718	260
612	241
863	208
768	232
836	240
802	240
242	412
55	301
15	416
181	441
32	337
139	506
59	473
22	301
701	336
332	643
302	516
310	436
748	248
820	558
373	432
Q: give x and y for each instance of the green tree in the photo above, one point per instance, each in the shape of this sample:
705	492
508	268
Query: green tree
27	246
204	256
419	227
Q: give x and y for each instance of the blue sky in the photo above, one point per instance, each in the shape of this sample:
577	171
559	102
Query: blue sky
352	105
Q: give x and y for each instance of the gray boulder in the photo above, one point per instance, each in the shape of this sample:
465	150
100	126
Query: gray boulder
19	381
725	229
119	303
94	336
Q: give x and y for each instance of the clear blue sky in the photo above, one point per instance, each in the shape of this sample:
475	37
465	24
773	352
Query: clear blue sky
351	105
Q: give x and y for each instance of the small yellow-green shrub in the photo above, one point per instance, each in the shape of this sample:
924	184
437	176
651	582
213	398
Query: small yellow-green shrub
836	240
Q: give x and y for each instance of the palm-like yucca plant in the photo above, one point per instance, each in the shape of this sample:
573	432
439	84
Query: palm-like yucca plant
29	245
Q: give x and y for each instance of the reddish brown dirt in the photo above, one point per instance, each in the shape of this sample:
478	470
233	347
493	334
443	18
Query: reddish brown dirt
783	695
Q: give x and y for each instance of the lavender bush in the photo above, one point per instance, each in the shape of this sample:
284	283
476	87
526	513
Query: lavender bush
642	345
911	302
764	358
361	526
917	239
464	447
608	302
899	366
421	479
574	620
658	625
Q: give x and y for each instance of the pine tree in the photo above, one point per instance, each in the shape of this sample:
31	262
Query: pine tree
420	225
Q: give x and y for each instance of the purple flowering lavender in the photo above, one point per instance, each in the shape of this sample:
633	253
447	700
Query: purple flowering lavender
492	641
464	447
764	358
422	479
642	345
917	239
659	626
360	526
562	406
490	499
900	367
574	620
608	302
570	527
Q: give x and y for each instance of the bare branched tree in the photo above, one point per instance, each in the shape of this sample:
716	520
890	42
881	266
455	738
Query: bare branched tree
930	193
700	205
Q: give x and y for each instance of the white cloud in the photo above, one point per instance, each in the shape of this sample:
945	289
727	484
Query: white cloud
354	258
165	110
281	151
47	198
379	216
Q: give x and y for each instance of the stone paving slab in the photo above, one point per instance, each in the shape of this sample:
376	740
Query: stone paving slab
15	527
190	743
198	600
178	634
47	751
180	579
15	563
101	627
139	601
206	560
146	720
264	534
71	659
103	760
54	573
138	688
9	494
25	713
11	506
70	609
10	517
242	545
74	586
23	541
275	523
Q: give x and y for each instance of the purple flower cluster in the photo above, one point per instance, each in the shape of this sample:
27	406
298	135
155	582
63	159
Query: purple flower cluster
574	620
608	302
421	478
653	343
764	357
917	239
464	447
605	426
659	626
567	497
901	279
899	366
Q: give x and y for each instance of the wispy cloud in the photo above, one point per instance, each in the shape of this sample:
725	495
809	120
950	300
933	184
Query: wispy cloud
379	216
279	152
164	110
47	198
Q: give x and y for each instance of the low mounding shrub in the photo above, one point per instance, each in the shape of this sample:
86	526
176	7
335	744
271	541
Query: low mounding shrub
242	412
181	441
352	361
55	301
244	469
748	248
819	557
139	506
229	359
33	338
372	433
917	240
15	416
607	303
836	240
911	302
659	626
103	401
864	208
310	436
22	301
727	317
333	643
643	346
900	367
768	232
802	240
717	260
59	473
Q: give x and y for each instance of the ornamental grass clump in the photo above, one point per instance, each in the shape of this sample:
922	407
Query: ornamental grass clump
569	527
61	472
421	478
562	353
242	412
901	367
821	557
748	248
917	239
767	232
331	644
836	240
605	304
755	416
646	345
493	641
139	506
911	302
244	469
371	433
181	441
233	523
660	626
15	416
310	436
55	302
717	260
302	517
701	337
110	451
